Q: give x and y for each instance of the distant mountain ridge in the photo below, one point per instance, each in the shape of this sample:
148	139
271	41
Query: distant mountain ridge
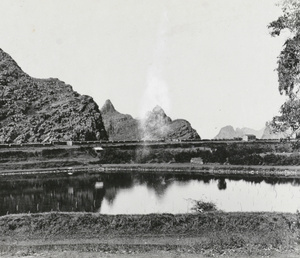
154	126
228	132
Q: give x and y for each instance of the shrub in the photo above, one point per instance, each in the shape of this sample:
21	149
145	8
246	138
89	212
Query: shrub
201	206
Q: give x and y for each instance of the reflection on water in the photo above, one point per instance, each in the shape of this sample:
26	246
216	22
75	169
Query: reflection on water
222	184
119	193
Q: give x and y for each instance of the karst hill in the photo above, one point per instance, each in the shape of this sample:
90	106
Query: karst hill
45	110
42	110
228	133
119	126
156	125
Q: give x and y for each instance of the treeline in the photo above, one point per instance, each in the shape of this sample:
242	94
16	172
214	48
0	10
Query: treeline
148	155
227	154
269	159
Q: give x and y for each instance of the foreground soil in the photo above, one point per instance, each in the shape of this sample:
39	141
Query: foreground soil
154	235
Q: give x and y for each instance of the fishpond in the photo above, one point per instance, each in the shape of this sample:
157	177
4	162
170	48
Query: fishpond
142	193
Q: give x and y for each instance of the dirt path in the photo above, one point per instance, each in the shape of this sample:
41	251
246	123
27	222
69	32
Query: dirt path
152	247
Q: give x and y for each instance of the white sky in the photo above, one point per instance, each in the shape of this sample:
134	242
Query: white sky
210	62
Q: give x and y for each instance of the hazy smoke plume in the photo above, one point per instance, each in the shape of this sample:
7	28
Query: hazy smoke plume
156	92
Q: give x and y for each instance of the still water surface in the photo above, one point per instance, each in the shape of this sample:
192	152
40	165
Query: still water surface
145	193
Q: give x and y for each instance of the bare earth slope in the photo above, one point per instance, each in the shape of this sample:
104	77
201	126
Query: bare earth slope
155	126
35	110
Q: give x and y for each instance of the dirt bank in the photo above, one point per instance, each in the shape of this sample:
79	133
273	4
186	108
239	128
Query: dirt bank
211	233
176	168
210	169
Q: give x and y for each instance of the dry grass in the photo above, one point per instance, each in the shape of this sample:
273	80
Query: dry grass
216	232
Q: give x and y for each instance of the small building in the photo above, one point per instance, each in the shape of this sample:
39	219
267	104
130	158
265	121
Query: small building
249	137
98	149
205	149
69	143
197	161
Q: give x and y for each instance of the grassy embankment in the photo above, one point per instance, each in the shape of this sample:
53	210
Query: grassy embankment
208	233
23	158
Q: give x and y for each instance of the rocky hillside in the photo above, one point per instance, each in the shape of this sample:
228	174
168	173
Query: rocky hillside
154	126
157	125
40	110
119	126
228	132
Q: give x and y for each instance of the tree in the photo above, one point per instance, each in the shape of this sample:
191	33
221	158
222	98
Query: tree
288	67
289	120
